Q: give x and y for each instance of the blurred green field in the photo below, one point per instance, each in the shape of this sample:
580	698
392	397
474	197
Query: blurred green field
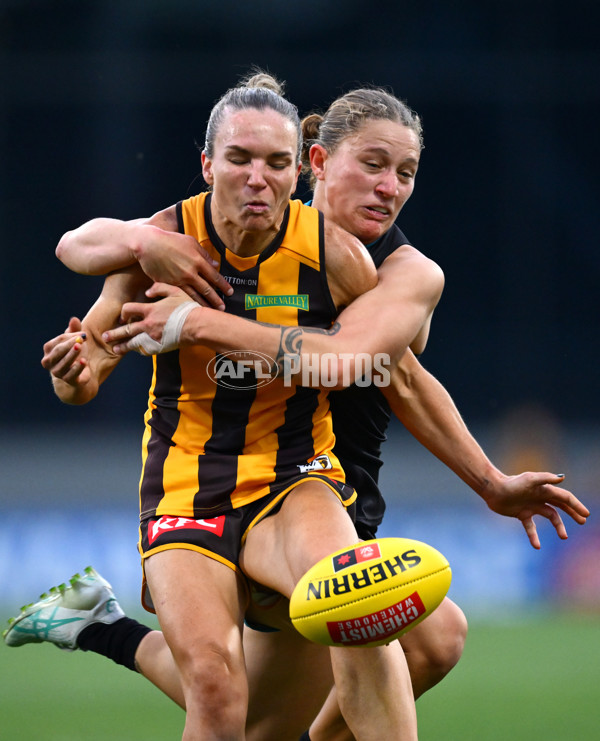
534	679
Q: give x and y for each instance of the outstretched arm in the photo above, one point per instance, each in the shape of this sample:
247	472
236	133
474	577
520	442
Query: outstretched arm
78	360
103	245
426	409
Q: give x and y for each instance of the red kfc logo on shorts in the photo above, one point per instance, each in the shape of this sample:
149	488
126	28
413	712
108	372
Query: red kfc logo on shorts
164	524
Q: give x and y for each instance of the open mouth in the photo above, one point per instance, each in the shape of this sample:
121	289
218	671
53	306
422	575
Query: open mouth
378	212
257	207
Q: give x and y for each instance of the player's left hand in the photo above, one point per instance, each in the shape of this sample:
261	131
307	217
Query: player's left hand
529	494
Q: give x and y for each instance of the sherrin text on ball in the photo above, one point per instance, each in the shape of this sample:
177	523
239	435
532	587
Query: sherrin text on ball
371	593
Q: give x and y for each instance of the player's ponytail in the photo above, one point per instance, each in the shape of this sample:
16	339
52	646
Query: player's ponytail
310	134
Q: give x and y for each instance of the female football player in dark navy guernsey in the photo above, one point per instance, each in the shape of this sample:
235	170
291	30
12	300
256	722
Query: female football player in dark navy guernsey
362	179
361	416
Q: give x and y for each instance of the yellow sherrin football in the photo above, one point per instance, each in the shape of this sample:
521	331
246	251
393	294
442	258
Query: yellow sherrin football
369	594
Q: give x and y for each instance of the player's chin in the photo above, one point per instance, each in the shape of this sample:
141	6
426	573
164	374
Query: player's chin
258	222
371	235
369	230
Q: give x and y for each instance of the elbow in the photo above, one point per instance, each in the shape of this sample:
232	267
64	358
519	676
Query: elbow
61	247
75	400
72	253
439	284
65	253
436	276
407	376
74	396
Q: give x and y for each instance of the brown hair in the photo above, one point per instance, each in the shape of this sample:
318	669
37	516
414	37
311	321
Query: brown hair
258	90
348	114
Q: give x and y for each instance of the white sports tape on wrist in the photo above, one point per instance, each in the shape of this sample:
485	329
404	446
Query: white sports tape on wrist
145	345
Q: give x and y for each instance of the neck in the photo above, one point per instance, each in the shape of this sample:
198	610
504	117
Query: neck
245	243
318	200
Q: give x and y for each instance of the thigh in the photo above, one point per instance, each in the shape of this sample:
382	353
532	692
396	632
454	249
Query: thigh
311	523
289	679
198	601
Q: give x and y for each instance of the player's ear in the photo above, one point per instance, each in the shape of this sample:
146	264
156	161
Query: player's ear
207	172
318	160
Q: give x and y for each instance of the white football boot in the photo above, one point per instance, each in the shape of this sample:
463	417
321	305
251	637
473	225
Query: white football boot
61	615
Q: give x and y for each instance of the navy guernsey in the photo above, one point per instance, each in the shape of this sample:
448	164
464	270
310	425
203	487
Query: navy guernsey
361	416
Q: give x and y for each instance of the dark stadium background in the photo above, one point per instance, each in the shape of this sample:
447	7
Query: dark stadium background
101	106
102	103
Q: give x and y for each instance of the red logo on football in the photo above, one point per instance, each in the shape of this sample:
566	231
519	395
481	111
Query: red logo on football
356	555
377	625
214	525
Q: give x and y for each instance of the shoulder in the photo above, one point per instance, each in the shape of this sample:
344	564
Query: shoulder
165	219
344	249
350	269
406	261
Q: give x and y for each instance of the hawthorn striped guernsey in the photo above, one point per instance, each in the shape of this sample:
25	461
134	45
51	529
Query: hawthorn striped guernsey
211	446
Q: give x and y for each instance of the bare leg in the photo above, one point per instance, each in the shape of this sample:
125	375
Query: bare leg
289	679
374	692
155	661
275	712
198	602
432	649
373	684
329	724
435	646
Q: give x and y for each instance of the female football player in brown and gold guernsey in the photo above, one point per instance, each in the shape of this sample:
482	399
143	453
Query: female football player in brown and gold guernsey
214	446
218	460
365	169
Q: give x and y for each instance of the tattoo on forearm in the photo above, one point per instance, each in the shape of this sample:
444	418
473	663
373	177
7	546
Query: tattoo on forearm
290	344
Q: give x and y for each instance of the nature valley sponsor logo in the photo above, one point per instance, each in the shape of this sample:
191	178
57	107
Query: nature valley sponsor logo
263	301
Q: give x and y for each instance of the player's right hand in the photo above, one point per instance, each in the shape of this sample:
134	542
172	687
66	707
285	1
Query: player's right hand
65	356
179	260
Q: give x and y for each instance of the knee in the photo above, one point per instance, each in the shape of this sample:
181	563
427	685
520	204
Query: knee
445	652
214	684
435	646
